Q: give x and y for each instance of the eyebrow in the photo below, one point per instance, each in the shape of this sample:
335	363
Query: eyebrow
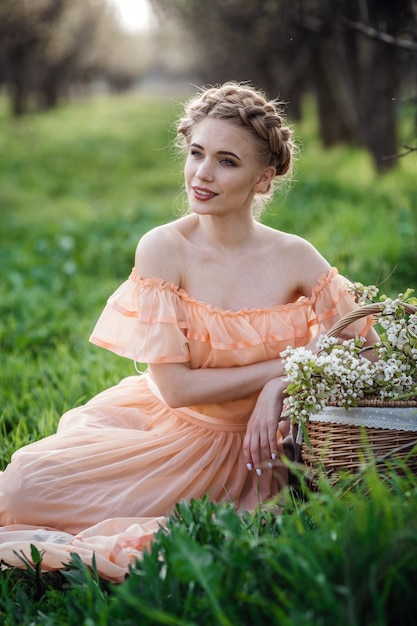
226	152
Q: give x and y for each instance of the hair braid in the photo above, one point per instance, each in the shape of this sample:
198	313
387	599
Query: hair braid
246	107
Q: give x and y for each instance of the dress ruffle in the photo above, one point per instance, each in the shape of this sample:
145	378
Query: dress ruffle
151	321
144	320
114	545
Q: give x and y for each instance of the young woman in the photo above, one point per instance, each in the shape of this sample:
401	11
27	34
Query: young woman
213	299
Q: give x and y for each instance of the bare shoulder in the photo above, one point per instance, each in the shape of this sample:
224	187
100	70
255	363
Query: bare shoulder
159	253
302	249
298	258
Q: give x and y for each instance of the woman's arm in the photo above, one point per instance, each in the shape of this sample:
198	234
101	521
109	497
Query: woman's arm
182	386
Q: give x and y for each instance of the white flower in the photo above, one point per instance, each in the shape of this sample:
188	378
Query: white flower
337	373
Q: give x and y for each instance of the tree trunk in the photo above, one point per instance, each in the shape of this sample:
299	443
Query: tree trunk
49	91
379	112
335	94
19	81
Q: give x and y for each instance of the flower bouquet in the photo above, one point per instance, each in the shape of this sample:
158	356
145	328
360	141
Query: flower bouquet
348	401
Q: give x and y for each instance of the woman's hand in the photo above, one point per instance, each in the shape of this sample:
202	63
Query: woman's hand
260	442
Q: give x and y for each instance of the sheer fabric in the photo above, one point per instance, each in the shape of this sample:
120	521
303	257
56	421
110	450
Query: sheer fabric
113	471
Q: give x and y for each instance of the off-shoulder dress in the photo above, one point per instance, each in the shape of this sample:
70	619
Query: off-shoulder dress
105	481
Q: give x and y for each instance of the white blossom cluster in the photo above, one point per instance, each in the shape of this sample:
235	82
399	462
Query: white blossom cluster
337	373
363	293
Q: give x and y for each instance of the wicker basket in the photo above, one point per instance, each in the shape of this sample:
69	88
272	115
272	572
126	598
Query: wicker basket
342	440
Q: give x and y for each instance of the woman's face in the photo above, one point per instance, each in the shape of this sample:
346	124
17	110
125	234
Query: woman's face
221	172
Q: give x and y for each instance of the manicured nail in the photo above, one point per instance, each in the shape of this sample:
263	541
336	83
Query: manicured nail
249	466
273	456
259	471
270	464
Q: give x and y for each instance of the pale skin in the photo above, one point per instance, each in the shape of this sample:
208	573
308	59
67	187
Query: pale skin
221	256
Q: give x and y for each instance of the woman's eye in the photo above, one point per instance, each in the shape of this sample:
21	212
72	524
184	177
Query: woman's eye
196	153
227	162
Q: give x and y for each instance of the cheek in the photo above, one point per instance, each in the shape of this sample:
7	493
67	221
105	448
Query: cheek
242	185
188	169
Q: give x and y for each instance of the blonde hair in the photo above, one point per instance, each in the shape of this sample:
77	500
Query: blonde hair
244	106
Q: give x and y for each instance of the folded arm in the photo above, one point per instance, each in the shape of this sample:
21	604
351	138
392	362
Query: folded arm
182	386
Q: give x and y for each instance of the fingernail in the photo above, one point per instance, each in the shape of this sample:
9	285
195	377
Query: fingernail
249	466
273	456
270	464
259	471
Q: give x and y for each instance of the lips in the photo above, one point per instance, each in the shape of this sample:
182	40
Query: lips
200	193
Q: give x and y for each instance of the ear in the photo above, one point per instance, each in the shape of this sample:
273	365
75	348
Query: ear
265	179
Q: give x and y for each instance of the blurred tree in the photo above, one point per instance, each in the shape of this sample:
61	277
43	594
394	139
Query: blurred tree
47	46
122	58
359	70
22	29
354	55
242	40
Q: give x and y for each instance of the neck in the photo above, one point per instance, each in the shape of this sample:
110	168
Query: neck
225	235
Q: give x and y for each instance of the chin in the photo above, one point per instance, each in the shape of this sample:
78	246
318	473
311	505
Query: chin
200	209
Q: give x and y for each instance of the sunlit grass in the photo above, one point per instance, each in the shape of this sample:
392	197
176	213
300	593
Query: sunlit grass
88	159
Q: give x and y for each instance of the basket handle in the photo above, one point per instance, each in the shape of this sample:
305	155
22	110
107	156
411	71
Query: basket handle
363	311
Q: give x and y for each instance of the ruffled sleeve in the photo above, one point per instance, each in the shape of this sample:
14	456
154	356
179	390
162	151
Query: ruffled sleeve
144	320
331	300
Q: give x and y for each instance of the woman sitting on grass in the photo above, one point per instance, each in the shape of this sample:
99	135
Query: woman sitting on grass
213	299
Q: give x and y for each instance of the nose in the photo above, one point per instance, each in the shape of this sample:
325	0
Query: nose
205	170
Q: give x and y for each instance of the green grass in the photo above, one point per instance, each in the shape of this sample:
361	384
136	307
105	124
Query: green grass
344	555
337	558
78	187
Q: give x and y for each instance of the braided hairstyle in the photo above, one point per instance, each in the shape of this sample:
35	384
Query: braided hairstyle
248	108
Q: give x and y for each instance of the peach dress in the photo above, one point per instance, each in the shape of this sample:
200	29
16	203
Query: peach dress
104	483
